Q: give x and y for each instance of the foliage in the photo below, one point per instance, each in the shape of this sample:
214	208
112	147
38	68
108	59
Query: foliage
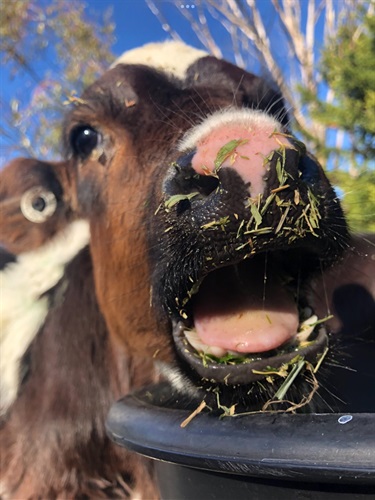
77	47
358	198
348	67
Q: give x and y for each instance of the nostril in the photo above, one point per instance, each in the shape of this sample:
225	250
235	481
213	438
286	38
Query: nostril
182	206
185	160
309	169
184	180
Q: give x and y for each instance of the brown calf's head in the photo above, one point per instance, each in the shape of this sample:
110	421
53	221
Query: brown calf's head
36	200
202	204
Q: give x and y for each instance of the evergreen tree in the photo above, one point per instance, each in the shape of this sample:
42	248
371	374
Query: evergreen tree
348	67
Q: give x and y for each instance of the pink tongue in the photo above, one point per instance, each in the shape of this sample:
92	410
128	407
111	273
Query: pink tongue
244	315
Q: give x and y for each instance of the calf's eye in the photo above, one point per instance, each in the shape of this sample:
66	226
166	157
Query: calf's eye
83	140
38	204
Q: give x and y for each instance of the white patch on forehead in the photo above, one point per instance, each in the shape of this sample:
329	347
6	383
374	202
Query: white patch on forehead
23	310
249	118
171	57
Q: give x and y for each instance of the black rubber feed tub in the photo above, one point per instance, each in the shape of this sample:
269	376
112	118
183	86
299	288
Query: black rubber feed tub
262	456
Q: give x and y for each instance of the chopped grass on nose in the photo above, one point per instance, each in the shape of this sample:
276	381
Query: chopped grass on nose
176	198
228	151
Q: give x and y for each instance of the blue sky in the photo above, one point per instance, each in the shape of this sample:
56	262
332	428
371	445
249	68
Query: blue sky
137	25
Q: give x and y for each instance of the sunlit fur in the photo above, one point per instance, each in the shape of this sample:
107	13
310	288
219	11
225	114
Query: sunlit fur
172	57
248	118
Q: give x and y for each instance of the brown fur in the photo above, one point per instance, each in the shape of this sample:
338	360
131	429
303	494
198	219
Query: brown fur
53	442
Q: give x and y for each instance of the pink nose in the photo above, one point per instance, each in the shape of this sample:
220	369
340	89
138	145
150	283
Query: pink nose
246	151
243	143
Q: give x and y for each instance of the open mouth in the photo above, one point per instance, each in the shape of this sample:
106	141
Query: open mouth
248	321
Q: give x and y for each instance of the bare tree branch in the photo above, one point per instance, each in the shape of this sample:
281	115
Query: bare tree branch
164	23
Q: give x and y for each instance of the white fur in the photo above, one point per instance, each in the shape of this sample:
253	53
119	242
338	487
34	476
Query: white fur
4	493
172	57
249	118
23	310
176	378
